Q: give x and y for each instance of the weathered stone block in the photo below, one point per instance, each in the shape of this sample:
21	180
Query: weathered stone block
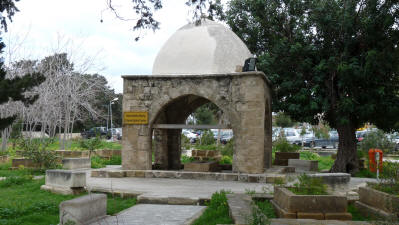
253	178
66	178
338	216
76	163
304	165
333	178
142	199
308	206
83	210
202	166
116	174
22	162
230	177
99	173
182	201
316	216
380	200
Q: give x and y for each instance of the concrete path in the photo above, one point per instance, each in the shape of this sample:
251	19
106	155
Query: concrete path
150	214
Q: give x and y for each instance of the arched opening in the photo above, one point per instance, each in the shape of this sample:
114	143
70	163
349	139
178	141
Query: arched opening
181	114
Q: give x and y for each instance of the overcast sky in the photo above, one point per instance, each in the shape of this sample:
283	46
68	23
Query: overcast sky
43	27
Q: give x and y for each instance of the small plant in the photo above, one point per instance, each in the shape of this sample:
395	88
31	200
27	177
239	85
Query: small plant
91	144
309	186
282	145
248	191
226	160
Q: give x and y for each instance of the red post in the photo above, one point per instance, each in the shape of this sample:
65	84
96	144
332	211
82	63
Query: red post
372	161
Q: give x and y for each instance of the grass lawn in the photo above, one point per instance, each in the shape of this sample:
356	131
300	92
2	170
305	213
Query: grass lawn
26	204
5	172
217	211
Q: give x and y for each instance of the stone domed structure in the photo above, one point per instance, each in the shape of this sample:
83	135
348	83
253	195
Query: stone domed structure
208	48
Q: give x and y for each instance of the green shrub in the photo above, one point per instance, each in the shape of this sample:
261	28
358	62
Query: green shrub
185	142
207	138
98	162
186	159
262	212
228	148
90	144
376	139
35	149
226	160
282	145
389	179
217	211
309	186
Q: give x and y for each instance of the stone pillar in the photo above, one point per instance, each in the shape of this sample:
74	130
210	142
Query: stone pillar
161	148
136	148
250	137
174	148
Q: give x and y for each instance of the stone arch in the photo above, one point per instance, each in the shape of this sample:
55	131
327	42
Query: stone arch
243	97
167	141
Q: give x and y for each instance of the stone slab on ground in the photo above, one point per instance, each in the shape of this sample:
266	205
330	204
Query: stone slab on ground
166	187
314	222
333	178
76	163
152	214
304	165
65	181
240	208
83	210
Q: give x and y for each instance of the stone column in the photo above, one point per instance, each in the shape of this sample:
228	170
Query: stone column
161	148
174	148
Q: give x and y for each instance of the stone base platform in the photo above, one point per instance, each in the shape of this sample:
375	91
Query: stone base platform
62	190
252	178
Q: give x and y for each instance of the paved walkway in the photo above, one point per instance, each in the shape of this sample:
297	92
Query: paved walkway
150	214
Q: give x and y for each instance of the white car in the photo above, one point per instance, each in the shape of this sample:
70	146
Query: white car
190	135
292	135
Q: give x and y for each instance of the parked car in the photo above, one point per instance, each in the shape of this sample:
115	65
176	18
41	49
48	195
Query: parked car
93	132
332	141
117	132
226	137
292	136
190	135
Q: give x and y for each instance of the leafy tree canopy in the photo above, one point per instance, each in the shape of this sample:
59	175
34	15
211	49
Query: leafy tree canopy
335	58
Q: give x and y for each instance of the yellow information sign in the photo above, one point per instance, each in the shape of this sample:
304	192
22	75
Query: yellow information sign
135	118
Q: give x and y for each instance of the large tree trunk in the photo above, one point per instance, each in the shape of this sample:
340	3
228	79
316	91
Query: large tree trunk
346	161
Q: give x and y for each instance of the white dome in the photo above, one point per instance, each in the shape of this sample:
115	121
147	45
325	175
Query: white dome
209	48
